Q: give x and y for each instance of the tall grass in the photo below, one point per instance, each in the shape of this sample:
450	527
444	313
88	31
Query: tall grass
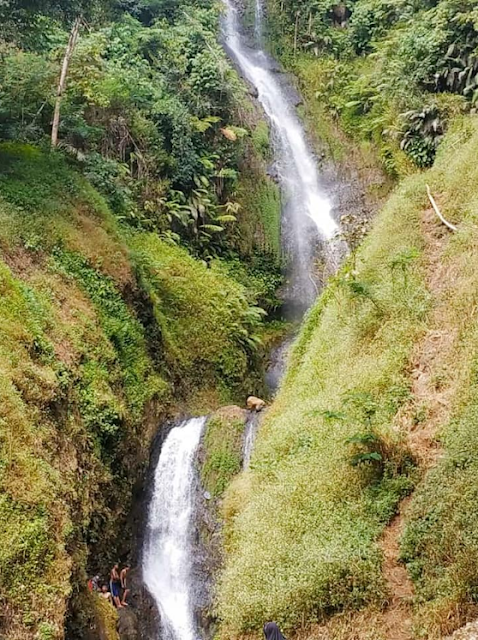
302	525
440	544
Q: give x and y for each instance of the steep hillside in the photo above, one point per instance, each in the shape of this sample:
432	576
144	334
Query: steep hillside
103	330
377	403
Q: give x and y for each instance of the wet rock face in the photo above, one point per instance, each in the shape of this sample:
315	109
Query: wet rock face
127	624
140	620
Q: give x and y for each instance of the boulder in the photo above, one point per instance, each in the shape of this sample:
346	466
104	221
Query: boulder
127	624
255	404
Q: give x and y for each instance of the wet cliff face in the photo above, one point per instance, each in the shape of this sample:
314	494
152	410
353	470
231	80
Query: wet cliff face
219	458
141	621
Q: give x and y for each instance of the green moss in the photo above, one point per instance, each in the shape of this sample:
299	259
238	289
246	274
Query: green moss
207	325
261	140
223	444
260	216
123	330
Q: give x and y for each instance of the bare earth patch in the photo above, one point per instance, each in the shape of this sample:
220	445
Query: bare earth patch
433	386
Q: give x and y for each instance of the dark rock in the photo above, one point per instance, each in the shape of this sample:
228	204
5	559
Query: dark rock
127	624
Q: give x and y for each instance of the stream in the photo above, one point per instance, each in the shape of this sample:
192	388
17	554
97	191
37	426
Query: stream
308	230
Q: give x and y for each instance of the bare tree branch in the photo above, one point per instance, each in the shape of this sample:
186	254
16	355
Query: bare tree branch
437	211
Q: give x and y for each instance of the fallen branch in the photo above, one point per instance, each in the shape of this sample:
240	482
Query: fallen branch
438	212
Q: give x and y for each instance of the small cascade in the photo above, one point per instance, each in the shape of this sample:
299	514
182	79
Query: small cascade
168	556
249	437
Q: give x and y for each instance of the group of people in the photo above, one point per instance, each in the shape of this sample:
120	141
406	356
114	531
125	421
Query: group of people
117	590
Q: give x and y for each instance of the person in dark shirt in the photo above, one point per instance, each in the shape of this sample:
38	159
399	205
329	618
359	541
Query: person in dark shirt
272	631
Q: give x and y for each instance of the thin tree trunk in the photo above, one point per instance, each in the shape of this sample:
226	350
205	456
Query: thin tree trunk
72	40
438	212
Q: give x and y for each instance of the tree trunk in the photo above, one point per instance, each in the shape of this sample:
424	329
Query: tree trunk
295	32
72	40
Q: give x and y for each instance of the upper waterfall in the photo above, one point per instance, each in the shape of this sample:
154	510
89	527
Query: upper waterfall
307	211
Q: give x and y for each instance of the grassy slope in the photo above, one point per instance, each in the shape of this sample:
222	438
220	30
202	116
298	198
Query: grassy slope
304	521
98	331
440	543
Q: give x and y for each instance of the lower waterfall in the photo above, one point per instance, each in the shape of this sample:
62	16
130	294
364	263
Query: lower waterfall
167	557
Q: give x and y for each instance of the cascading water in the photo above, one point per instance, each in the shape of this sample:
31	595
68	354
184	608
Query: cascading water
306	217
168	567
249	437
167	558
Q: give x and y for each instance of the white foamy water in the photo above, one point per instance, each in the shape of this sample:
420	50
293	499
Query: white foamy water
249	438
307	211
167	558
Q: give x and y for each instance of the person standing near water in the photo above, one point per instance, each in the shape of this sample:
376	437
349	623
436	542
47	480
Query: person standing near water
124	584
115	586
272	631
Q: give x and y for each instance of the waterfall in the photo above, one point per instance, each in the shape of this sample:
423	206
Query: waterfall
307	223
307	212
167	558
249	437
258	21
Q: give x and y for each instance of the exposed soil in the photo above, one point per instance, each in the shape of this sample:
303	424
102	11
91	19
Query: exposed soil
428	409
397	619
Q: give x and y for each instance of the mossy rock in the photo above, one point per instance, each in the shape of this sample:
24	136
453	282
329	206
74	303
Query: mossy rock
105	617
222	449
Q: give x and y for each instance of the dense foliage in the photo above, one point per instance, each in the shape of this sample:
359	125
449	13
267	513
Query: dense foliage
393	73
153	113
103	329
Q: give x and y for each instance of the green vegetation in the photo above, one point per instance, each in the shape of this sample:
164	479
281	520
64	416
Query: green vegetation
305	520
102	329
138	259
332	459
136	266
392	74
439	544
153	115
223	444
